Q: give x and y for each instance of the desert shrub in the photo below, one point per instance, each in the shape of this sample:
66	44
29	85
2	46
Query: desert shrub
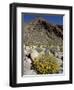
46	64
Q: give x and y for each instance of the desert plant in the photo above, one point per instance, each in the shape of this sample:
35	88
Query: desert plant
46	64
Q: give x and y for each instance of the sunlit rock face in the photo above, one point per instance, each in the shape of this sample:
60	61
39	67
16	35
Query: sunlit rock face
27	64
34	54
27	67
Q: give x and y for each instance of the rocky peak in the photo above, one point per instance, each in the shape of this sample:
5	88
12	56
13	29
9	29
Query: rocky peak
39	31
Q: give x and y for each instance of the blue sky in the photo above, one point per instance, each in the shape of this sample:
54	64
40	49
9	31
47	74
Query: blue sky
54	19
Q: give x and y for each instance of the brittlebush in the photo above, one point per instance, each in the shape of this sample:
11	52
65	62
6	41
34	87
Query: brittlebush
46	64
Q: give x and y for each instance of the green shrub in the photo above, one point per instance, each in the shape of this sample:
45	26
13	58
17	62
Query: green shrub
46	64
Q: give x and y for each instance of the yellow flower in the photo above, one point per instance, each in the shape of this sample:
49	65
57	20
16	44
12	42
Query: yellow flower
46	64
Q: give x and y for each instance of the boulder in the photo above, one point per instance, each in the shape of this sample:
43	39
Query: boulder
34	54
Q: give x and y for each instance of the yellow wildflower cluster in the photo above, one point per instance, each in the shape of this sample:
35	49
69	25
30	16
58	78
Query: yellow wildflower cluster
46	64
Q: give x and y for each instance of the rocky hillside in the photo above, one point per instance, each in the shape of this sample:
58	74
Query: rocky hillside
42	48
40	32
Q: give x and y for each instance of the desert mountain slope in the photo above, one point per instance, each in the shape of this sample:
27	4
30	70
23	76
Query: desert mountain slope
40	32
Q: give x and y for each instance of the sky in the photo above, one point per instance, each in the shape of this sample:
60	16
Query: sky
53	19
